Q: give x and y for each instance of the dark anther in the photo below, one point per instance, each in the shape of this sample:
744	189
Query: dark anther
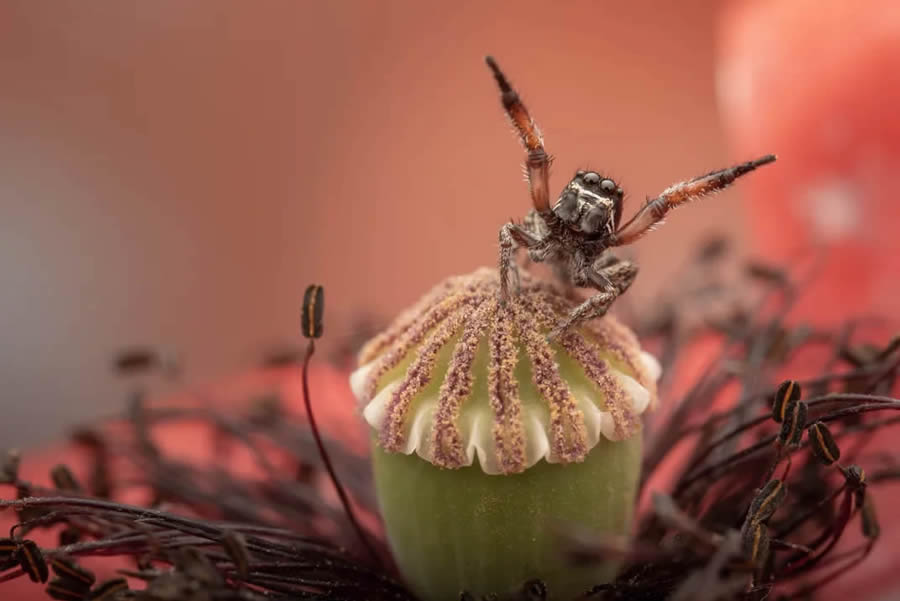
755	541
871	529
64	589
712	248
9	471
135	360
856	476
109	589
236	547
823	444
766	501
32	562
8	548
68	569
788	392
792	428
64	479
313	309
69	536
766	273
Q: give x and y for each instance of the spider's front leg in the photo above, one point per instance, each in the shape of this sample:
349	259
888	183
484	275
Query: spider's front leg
612	277
537	160
512	236
654	210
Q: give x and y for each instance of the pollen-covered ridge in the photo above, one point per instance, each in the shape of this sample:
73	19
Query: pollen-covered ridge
462	376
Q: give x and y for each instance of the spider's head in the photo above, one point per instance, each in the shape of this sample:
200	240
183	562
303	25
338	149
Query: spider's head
590	204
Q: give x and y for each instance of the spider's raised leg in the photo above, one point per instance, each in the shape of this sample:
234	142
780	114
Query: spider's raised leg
512	236
654	211
611	280
537	161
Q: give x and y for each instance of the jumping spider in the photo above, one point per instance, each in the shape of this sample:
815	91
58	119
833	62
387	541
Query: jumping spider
575	235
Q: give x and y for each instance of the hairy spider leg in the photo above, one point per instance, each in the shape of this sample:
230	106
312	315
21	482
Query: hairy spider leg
612	277
512	236
654	211
537	161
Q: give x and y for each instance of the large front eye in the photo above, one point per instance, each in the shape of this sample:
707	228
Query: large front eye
608	185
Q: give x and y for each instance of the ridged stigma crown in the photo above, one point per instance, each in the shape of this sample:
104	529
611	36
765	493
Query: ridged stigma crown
461	375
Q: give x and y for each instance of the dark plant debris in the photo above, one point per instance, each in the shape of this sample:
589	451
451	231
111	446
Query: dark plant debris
771	483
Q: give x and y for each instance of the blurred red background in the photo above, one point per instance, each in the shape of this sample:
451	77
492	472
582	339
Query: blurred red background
176	173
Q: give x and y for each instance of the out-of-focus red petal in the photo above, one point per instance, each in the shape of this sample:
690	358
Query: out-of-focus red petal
818	83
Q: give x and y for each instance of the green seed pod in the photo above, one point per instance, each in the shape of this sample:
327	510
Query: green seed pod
487	437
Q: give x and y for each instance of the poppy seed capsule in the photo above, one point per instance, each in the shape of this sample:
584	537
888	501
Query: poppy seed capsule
487	437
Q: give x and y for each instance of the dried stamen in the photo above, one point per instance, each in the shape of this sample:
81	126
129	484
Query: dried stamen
823	444
32	561
235	545
66	568
109	589
871	529
755	540
313	306
787	393
65	589
766	501
64	479
792	427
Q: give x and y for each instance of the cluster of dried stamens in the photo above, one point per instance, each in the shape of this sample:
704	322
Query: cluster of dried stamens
611	381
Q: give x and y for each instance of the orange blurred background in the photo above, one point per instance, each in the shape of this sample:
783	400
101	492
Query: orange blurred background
176	173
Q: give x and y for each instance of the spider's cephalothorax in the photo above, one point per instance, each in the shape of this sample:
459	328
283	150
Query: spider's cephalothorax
590	204
575	234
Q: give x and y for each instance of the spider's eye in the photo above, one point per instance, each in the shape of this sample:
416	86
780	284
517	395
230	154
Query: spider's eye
591	178
608	185
619	191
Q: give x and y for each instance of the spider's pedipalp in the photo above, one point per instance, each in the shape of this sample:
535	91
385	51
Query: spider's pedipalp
537	162
653	212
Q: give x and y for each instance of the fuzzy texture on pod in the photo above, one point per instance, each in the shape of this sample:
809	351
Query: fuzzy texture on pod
488	437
